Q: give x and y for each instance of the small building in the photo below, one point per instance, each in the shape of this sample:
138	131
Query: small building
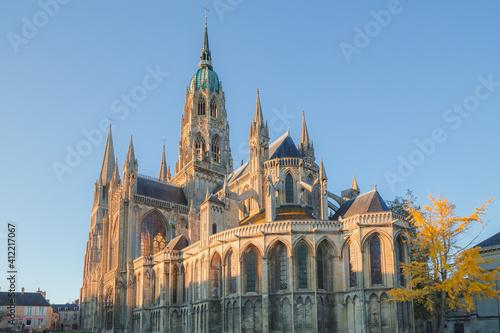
69	316
486	315
31	310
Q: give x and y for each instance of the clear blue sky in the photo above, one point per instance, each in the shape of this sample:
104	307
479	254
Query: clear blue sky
367	99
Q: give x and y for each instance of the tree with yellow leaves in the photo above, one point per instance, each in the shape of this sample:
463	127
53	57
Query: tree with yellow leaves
451	277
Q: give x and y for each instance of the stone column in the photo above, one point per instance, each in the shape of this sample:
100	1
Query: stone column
265	294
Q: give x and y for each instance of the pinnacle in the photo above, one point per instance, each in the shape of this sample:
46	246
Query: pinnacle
108	161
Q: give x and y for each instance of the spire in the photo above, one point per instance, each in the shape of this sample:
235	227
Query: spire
163	166
131	154
169	175
108	161
304	139
208	195
116	174
258	119
354	183
206	58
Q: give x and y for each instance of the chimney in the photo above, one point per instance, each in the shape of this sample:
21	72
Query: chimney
44	293
22	290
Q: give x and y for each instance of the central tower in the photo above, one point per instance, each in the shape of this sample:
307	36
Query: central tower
204	151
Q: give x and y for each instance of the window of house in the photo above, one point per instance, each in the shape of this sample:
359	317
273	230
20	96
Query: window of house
198	280
153	234
353	282
232	272
319	259
213	108
199	148
400	261
289	188
251	271
216	150
201	107
375	261
283	267
302	258
174	286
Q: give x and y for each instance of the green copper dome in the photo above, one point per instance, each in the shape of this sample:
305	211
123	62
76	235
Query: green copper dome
205	78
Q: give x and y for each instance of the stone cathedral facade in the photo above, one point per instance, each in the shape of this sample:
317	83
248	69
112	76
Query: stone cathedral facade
263	248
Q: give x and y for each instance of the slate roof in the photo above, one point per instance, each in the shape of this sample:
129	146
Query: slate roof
493	241
285	212
160	190
26	299
369	202
178	243
237	173
213	198
71	307
283	147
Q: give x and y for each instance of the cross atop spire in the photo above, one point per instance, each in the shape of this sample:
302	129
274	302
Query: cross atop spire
206	57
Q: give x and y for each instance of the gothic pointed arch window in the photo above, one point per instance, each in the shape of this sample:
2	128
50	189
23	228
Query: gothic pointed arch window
216	149
156	288
214	228
114	247
108	309
183	274
231	272
320	268
174	285
302	265
281	267
198	279
199	146
201	106
289	188
400	261
251	275
375	261
153	234
213	108
351	258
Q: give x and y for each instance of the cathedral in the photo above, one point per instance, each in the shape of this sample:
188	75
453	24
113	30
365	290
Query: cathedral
262	248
